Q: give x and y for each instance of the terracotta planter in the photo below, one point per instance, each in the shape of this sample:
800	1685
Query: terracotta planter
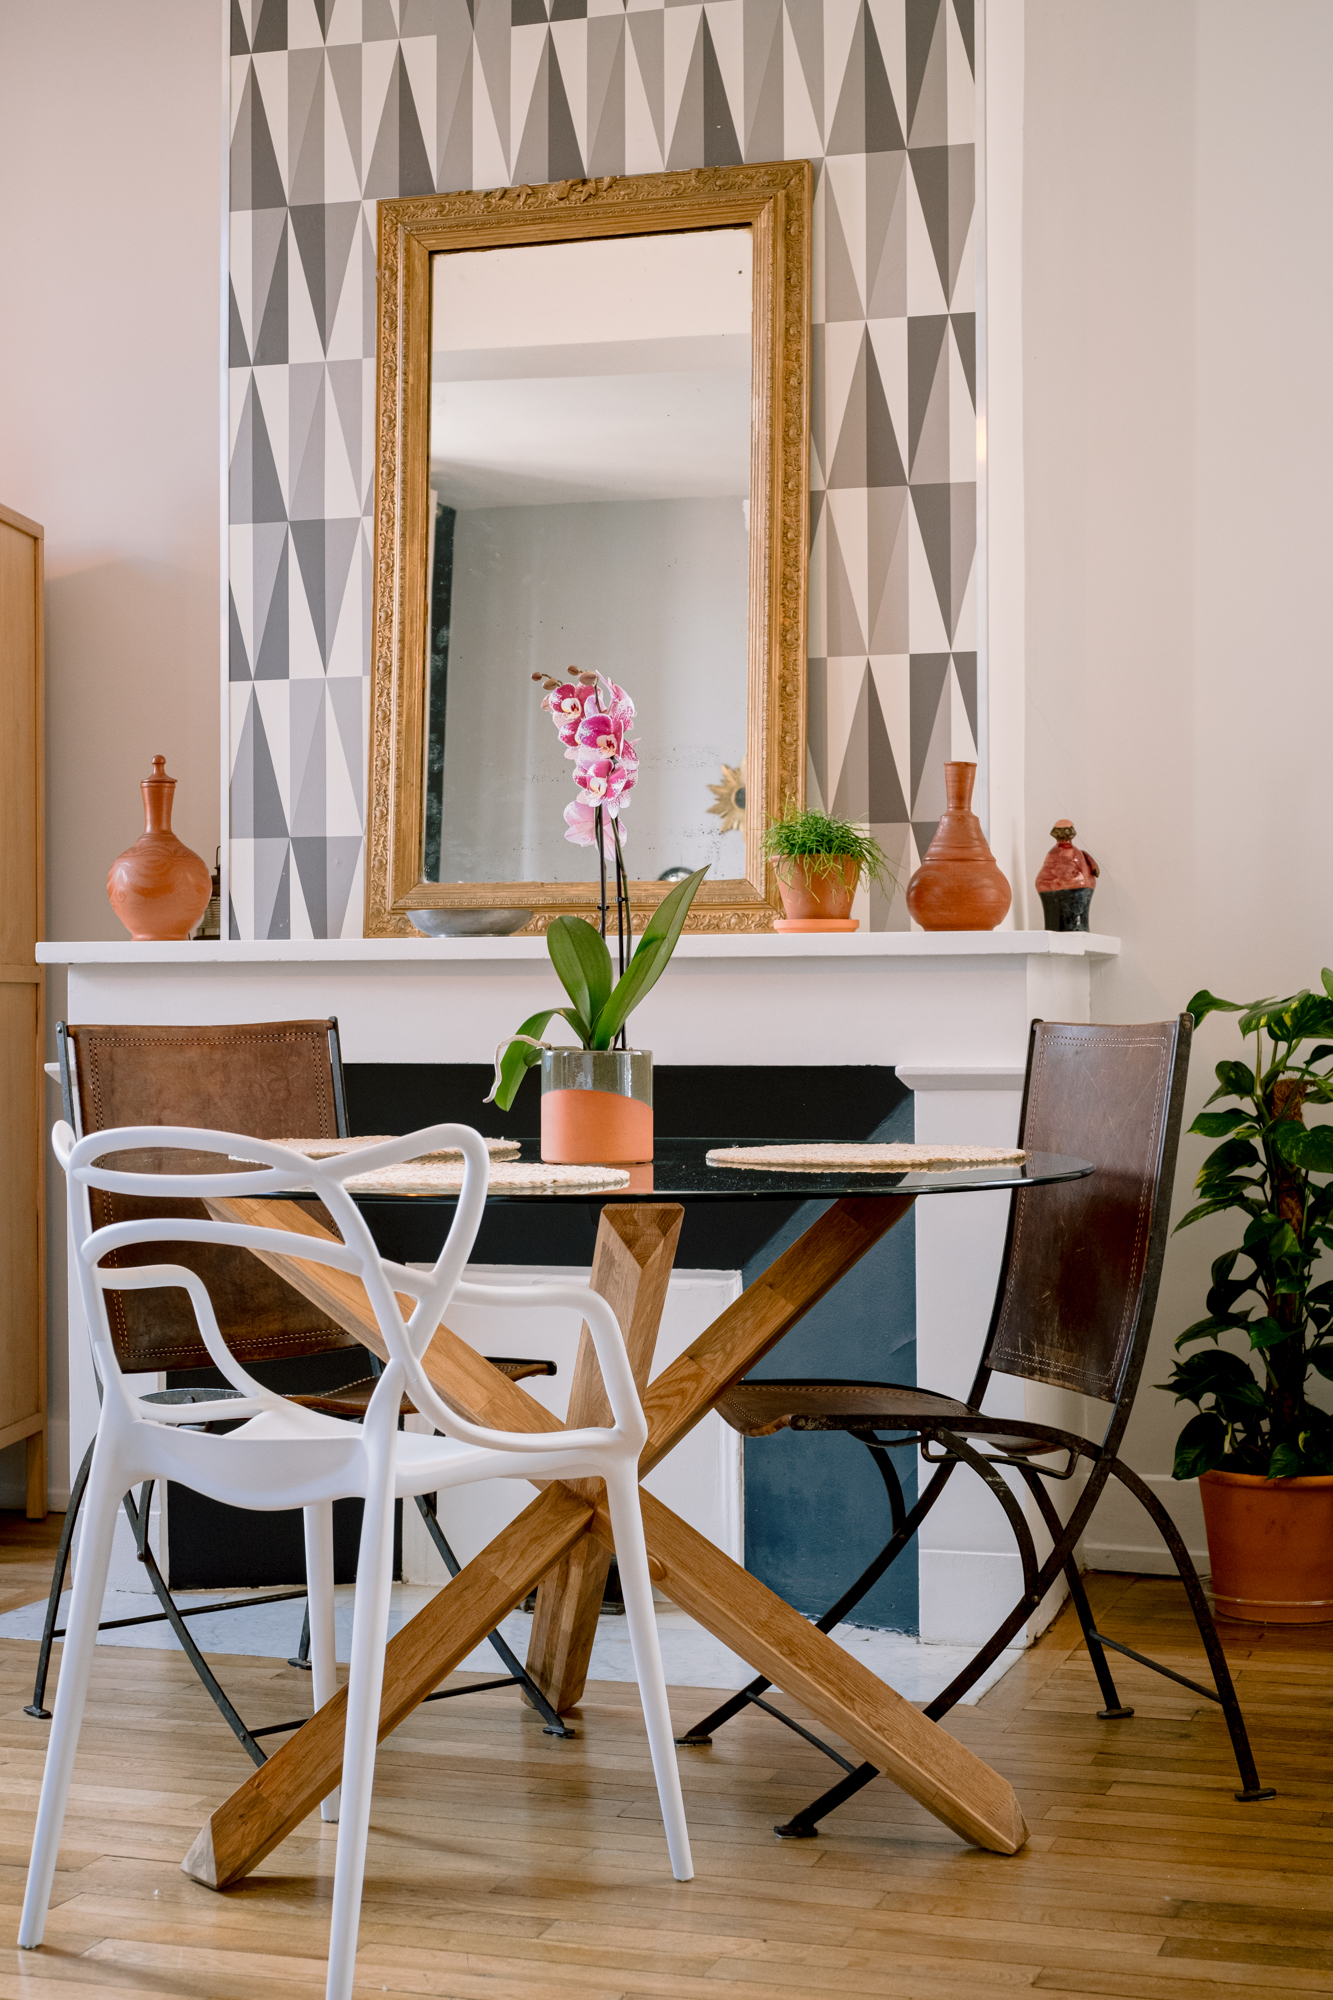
597	1107
817	902
1270	1544
958	886
159	888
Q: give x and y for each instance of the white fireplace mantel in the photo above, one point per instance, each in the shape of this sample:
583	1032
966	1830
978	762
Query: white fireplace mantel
949	1010
940	998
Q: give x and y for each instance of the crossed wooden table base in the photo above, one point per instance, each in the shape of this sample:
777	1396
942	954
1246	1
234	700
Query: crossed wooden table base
562	1541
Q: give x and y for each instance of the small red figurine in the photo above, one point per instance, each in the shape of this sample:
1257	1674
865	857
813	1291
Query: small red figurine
1066	880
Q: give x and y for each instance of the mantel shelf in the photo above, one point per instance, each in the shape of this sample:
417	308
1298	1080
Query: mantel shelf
773	945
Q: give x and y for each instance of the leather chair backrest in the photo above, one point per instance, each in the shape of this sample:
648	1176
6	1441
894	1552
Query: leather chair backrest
271	1079
1083	1258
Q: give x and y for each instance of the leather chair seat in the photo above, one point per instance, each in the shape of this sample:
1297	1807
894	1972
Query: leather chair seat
761	1409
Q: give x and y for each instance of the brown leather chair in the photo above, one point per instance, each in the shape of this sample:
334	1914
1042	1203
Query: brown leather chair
272	1080
1074	1309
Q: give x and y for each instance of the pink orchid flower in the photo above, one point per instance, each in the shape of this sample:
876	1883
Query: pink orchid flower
581	827
601	735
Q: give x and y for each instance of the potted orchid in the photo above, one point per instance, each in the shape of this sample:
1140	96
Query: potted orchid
597	1097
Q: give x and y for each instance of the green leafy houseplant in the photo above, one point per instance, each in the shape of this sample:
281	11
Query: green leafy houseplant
598	1007
1254	1413
822	846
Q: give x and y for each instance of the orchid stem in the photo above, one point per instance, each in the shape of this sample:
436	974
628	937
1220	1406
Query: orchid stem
601	862
622	901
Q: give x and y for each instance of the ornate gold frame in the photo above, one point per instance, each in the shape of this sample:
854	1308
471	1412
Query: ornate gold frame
775	201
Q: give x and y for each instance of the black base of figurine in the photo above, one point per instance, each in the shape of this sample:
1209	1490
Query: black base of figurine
1066	909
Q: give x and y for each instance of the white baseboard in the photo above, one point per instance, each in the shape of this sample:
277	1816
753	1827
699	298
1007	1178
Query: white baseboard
1121	1536
966	1592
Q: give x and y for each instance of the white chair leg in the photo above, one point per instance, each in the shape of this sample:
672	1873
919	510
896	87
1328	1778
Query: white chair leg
622	1493
318	1524
370	1624
98	1528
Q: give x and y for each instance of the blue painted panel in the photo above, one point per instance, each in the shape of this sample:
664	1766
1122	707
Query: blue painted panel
816	1512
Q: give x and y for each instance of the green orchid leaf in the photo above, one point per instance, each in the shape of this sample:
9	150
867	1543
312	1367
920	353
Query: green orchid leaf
1216	1124
1205	1003
519	1057
650	960
1201	1447
582	963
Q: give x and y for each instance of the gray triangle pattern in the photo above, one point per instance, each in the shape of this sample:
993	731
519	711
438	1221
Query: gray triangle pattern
877	92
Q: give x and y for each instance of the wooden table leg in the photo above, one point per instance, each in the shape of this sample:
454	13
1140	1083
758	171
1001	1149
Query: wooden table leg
631	1266
949	1780
249	1824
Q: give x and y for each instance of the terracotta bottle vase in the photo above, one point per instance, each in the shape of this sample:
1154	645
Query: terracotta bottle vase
818	902
159	888
958	886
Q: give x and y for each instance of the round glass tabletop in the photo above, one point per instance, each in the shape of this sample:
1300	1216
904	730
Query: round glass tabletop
680	1172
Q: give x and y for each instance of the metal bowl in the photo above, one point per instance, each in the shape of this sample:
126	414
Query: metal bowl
469	923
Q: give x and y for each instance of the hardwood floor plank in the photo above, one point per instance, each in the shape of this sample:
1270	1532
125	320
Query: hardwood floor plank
506	1866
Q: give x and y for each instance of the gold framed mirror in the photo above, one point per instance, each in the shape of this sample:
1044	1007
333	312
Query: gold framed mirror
592	451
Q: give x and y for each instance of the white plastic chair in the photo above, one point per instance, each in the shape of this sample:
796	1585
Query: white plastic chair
283	1456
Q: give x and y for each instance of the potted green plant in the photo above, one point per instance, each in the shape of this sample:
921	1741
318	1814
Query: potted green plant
819	863
597	1098
1261	1449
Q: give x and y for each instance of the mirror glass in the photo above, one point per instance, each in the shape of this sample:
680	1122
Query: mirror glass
590	453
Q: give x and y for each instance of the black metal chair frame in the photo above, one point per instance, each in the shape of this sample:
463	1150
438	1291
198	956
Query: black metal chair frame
949	1435
173	1614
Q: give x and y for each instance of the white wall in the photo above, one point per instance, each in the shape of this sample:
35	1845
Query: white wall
110	162
1178	291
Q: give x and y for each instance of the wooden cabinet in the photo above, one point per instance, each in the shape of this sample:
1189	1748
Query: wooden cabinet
22	991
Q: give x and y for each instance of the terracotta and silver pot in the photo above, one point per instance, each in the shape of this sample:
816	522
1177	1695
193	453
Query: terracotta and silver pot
597	1107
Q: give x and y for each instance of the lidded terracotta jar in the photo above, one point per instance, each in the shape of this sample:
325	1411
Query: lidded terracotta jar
159	888
958	886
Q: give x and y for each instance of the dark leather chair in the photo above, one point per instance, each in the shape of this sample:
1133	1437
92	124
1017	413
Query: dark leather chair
1074	1309
273	1080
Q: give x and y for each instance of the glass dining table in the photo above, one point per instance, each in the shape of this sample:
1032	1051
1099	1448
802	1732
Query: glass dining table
562	1543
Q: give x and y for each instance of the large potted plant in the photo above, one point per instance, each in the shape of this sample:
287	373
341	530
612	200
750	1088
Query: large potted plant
1260	1447
819	862
597	1098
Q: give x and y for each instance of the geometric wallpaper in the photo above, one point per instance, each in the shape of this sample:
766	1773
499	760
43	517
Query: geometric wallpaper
336	104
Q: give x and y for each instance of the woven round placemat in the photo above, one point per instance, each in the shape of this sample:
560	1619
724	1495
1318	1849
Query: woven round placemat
864	1159
329	1149
507	1177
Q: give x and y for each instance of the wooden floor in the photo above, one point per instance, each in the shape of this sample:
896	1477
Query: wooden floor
505	1865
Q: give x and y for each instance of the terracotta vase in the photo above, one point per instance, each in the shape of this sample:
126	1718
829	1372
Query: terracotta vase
1270	1546
958	886
597	1107
1066	880
818	902
159	888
